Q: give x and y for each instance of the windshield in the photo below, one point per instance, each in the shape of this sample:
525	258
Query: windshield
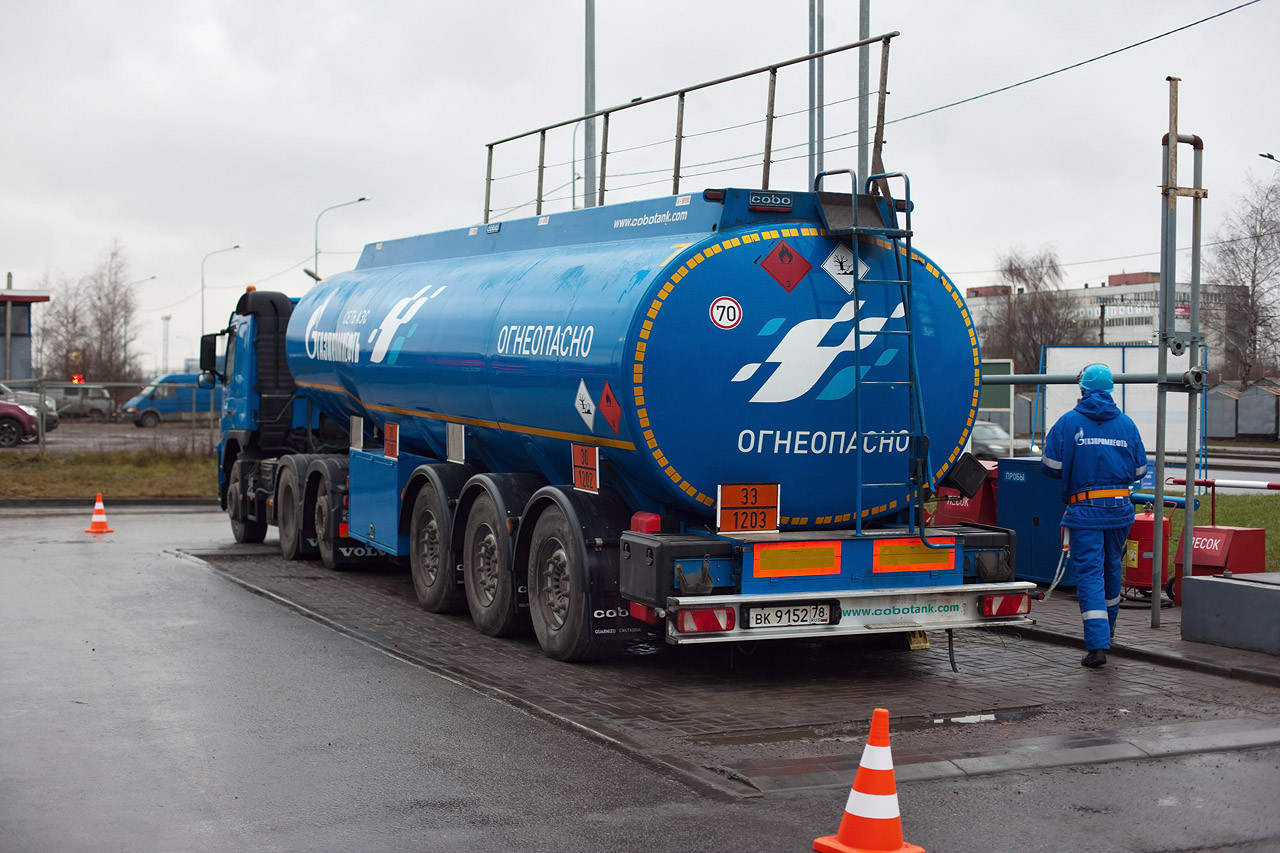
989	432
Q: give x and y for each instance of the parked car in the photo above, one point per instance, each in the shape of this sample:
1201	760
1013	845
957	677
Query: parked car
85	401
32	399
991	441
18	423
174	397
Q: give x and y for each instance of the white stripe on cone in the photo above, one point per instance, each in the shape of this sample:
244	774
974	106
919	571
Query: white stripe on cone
874	806
877	757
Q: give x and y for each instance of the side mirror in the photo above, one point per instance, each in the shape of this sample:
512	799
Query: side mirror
207	381
209	353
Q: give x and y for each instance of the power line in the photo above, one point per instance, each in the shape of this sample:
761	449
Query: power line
1071	67
1125	257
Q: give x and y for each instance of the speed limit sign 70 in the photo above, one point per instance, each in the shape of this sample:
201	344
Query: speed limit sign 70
726	312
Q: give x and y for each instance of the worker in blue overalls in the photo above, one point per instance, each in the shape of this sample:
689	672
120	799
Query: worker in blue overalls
1096	451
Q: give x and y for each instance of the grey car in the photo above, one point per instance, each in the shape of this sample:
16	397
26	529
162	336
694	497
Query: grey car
32	399
990	441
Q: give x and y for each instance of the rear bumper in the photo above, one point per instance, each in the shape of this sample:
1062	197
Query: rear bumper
860	612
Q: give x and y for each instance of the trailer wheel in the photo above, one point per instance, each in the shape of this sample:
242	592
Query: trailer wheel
559	608
325	535
243	530
288	519
486	570
433	576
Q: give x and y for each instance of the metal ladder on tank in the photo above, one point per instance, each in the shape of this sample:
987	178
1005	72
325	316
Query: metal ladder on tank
848	221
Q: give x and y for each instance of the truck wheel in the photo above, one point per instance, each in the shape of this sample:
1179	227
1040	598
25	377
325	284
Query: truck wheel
246	531
149	420
325	535
97	416
560	610
486	569
433	576
10	432
288	519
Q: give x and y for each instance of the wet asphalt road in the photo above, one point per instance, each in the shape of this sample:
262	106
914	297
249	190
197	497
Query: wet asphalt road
146	703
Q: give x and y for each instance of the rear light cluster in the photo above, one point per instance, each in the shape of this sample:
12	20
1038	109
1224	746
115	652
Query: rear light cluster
705	620
1005	605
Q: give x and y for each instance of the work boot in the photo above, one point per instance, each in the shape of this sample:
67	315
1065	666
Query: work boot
1095	658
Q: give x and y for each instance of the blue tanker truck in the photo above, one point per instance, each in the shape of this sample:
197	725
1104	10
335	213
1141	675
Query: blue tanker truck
712	415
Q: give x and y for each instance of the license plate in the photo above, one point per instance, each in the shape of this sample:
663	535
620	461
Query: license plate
786	617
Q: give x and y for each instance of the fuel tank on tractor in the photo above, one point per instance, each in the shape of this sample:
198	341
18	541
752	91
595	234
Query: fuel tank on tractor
694	342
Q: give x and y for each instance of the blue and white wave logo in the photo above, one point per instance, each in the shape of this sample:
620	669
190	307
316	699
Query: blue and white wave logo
803	356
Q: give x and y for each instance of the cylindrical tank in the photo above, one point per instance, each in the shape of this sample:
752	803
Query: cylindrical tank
692	360
1139	550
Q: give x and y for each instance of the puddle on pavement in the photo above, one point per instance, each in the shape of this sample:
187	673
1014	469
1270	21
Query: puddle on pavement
905	724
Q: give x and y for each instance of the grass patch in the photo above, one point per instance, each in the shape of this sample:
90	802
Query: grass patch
1258	510
126	474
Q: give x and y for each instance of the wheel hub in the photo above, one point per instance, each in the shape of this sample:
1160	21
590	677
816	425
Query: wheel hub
429	549
554	583
485	564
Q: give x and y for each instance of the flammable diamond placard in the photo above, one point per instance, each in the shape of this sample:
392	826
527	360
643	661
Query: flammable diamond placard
786	266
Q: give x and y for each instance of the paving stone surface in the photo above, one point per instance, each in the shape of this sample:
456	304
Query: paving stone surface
787	714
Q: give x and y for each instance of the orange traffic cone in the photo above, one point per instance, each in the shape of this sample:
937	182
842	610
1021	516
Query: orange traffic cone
99	522
871	823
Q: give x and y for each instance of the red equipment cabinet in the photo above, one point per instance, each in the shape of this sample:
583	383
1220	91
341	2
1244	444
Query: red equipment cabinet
1139	552
955	508
1239	550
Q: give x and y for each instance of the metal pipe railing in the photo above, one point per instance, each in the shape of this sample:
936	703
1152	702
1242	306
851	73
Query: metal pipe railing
605	113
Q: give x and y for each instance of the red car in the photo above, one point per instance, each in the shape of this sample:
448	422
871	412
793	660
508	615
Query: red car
17	423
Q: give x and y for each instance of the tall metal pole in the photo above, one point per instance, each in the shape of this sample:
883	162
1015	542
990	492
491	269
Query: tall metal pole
864	81
817	131
589	104
1168	272
164	361
1193	399
205	258
315	263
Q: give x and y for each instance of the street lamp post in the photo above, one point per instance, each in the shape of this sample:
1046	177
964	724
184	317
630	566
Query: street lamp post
1271	157
207	257
315	263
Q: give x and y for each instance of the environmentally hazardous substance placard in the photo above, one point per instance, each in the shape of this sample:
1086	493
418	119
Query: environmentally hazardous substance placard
844	267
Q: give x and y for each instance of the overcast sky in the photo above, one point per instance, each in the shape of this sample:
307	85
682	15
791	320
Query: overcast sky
182	127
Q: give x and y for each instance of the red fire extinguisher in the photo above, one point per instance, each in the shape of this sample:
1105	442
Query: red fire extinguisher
1139	553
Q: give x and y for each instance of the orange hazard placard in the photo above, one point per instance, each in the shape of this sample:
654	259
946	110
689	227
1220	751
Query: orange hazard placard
747	507
391	441
586	468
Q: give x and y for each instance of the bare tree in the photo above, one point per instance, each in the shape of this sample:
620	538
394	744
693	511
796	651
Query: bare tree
90	325
1034	313
1245	264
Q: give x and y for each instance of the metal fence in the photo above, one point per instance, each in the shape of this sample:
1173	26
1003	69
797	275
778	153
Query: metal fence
108	417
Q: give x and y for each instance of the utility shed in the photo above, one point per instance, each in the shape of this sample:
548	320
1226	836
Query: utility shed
1258	411
1221	402
15	319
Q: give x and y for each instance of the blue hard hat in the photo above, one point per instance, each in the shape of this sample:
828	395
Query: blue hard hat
1096	377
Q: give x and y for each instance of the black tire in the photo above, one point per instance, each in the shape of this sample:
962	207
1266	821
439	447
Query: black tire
10	432
288	516
326	538
149	420
558	607
434	578
97	416
250	532
486	570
